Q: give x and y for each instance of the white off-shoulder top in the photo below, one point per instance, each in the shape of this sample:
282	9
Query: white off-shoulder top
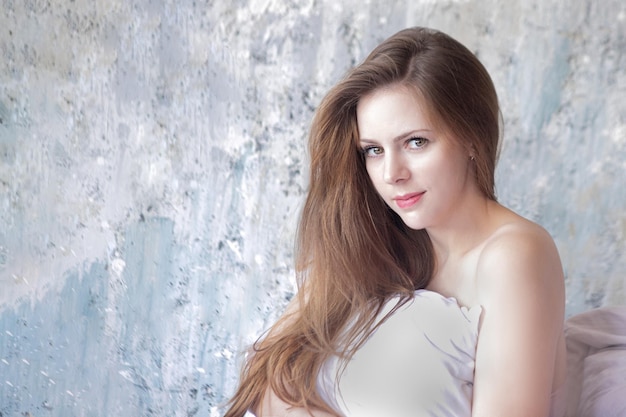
419	362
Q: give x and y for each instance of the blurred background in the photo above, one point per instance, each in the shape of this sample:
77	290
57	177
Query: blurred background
153	165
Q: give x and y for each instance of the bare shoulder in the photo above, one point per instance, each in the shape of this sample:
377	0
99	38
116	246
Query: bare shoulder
518	237
519	255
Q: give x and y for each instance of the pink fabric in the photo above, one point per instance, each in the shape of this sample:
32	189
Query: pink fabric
596	350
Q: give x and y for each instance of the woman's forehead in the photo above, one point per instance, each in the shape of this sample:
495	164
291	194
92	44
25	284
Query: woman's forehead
396	106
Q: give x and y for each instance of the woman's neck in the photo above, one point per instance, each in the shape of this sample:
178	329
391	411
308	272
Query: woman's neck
471	225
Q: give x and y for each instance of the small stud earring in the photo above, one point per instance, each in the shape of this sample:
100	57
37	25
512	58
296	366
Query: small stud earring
472	157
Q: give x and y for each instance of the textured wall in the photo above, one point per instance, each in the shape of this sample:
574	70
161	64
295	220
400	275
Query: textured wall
152	165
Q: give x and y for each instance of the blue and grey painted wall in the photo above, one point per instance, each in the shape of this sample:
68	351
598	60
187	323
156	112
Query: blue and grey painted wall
152	167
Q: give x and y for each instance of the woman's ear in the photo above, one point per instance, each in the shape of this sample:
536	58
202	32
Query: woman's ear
472	152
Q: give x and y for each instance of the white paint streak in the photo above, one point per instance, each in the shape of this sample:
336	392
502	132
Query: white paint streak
117	266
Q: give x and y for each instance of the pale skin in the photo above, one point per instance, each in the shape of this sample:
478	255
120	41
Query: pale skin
485	254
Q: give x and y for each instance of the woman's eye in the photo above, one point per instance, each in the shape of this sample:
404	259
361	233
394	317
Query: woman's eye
417	143
372	151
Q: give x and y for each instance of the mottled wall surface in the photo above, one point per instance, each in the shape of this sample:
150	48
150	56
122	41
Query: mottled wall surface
152	166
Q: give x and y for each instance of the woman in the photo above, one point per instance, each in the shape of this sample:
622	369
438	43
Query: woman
419	294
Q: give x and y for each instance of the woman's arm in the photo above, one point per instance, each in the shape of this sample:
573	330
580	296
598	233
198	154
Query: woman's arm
521	288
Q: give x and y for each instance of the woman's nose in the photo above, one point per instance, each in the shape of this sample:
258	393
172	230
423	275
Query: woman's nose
395	169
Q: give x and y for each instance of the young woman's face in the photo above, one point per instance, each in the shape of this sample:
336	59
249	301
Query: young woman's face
421	173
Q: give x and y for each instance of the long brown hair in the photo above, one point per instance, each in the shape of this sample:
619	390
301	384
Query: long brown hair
353	252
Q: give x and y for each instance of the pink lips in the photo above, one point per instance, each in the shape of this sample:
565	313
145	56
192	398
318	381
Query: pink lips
407	200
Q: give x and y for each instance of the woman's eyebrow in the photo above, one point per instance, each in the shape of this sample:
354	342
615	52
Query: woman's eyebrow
399	137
